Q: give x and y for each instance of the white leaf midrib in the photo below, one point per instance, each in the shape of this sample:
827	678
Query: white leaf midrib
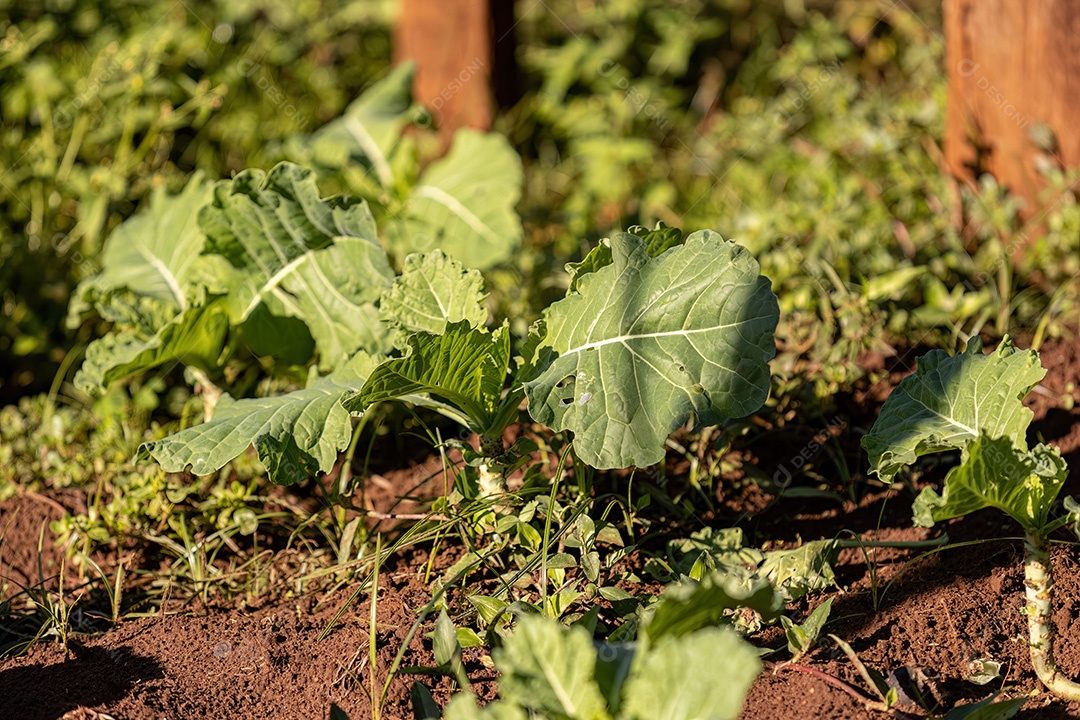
457	207
372	150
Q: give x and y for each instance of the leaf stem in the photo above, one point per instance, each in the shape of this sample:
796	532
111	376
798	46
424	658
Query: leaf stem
1039	592
859	542
211	393
373	638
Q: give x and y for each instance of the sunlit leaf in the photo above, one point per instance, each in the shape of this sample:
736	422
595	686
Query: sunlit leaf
690	605
949	401
154	253
995	473
195	337
648	343
988	709
464	203
704	676
794	573
369	129
465	367
801	638
463	707
434	290
317	260
295	433
801	570
550	669
657	242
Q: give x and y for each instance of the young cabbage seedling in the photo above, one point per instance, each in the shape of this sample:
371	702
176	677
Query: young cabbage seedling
655	330
973	403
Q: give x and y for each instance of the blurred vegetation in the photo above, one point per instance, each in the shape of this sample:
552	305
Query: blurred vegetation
103	101
809	132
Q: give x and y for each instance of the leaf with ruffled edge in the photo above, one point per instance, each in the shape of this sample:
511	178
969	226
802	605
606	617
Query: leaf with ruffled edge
195	337
995	473
317	259
433	290
949	401
647	343
295	433
464	369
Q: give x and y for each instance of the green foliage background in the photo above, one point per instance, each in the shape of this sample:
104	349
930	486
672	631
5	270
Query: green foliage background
103	101
808	131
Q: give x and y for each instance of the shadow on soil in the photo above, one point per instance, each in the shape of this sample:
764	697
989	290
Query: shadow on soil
88	677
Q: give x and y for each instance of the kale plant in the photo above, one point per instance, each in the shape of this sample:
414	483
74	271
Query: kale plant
973	402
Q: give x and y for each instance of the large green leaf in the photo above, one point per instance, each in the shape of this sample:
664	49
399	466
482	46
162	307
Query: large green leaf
550	668
318	260
295	433
647	343
996	473
949	401
465	367
195	337
370	128
153	254
434	290
464	203
704	676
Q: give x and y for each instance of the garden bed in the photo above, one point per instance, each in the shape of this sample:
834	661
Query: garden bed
927	619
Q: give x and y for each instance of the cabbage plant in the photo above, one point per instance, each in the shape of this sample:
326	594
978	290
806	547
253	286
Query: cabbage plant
973	402
654	331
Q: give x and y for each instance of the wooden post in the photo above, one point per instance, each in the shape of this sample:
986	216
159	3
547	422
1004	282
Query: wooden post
1012	66
464	51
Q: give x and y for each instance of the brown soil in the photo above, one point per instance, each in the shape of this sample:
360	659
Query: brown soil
931	617
252	663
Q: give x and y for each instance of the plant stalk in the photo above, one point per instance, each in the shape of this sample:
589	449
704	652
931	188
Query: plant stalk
211	393
1039	592
491	480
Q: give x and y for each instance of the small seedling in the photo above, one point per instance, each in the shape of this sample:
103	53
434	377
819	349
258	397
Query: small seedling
802	638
